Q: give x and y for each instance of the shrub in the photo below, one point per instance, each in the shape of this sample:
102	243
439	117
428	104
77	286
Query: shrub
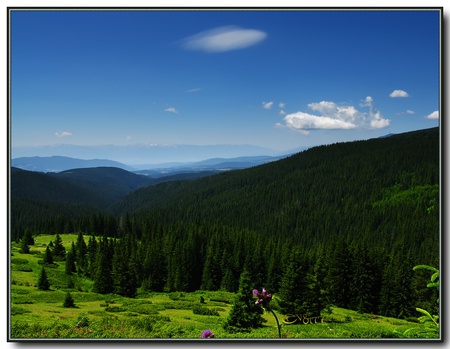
68	301
199	310
83	321
18	310
19	261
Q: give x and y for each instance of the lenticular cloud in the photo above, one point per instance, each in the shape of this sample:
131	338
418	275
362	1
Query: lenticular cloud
224	39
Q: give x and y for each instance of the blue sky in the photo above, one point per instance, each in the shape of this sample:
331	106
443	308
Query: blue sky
276	79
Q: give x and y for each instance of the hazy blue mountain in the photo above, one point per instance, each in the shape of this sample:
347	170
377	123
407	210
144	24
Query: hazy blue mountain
62	163
211	165
144	154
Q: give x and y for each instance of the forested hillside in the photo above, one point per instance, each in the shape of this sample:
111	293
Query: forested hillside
341	224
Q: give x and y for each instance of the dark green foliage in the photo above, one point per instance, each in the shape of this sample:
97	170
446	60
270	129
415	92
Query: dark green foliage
124	273
397	294
364	285
70	263
244	314
59	251
68	301
48	256
361	213
299	293
81	254
24	248
28	237
201	310
43	283
103	281
339	278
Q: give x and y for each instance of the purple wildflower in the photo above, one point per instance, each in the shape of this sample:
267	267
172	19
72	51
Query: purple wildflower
263	298
207	334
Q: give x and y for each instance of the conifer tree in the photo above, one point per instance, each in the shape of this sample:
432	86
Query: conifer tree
103	282
59	251
363	281
81	254
244	313
339	278
155	267
297	293
24	248
123	272
92	255
70	263
68	301
48	256
43	283
28	237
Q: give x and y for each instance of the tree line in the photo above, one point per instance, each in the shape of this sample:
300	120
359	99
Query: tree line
342	224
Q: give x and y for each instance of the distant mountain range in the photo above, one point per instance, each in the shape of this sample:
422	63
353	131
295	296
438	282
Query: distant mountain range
63	163
144	153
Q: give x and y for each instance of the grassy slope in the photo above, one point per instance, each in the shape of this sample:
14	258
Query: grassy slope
40	314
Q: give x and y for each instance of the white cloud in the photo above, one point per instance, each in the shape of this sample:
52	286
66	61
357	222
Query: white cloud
282	112
282	105
192	90
399	93
267	105
305	121
171	110
434	115
63	134
334	117
410	112
224	39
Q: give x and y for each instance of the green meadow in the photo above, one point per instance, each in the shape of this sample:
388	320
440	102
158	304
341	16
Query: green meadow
36	314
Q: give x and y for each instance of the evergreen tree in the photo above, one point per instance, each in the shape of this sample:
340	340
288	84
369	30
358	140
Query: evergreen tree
298	293
155	268
244	313
364	274
48	256
103	282
28	237
92	254
81	254
123	272
70	263
339	278
59	251
24	248
68	301
43	283
397	297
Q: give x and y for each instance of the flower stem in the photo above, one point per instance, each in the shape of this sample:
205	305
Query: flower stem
278	324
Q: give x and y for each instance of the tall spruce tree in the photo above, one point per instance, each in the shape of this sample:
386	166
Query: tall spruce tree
123	272
364	274
81	254
70	263
339	278
24	248
244	313
298	293
59	251
103	281
48	256
43	283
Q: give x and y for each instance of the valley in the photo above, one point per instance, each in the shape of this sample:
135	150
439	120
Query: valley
333	228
